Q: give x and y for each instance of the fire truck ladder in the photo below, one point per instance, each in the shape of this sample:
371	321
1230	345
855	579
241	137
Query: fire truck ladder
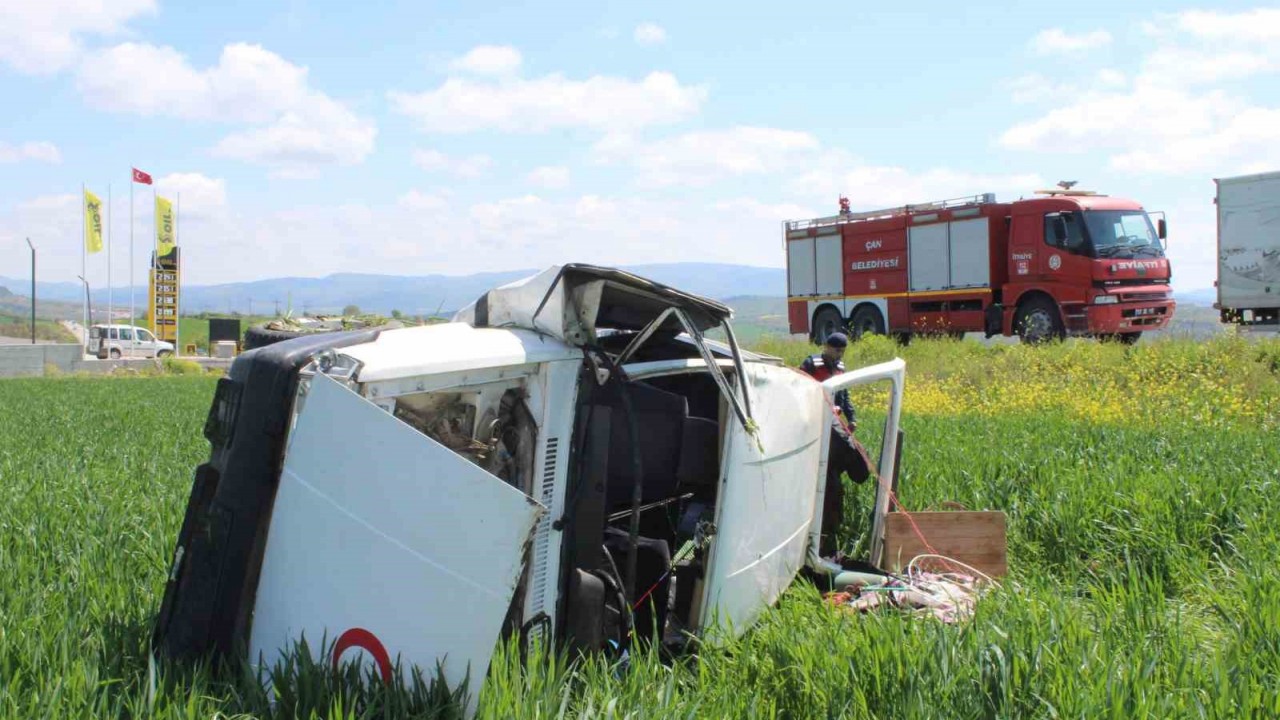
794	225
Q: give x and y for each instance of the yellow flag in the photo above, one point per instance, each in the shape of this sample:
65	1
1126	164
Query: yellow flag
92	222
164	227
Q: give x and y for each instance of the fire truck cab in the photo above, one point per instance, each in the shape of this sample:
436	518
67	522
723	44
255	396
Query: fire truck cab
1067	262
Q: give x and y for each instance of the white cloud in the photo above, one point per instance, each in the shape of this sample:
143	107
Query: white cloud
1250	137
1108	77
648	33
299	128
769	212
1259	25
1176	66
1056	41
871	187
1035	88
39	151
248	84
48	202
698	158
1099	119
418	200
39	37
472	166
197	195
489	60
550	102
552	177
1174	116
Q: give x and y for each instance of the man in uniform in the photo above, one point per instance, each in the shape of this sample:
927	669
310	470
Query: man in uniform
828	364
845	454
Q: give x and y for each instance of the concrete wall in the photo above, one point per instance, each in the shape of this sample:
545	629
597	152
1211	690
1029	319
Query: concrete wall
20	360
30	360
107	366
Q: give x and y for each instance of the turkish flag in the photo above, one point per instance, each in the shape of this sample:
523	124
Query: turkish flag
141	177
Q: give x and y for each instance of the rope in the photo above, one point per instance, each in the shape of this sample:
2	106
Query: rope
923	540
664	575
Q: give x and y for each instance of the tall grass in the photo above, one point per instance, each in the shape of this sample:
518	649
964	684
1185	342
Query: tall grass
1140	484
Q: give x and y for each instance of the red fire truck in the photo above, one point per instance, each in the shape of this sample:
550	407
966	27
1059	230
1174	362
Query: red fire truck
1066	262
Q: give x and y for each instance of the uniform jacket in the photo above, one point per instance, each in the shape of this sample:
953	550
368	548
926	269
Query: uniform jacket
818	367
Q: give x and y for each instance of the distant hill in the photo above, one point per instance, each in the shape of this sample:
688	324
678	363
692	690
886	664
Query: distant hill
412	294
12	304
1204	296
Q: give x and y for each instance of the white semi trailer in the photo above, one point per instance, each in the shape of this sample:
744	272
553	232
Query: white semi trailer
1249	250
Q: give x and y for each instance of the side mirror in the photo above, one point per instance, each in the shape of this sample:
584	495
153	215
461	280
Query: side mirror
1162	228
1060	231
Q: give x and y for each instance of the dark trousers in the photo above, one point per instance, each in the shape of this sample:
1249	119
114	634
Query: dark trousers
844	455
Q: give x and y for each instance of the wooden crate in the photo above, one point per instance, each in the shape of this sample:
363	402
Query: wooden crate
975	538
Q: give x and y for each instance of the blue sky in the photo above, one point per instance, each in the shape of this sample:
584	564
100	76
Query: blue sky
414	137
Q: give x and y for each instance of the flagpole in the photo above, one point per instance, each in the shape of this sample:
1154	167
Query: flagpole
110	298
132	314
84	261
177	280
155	264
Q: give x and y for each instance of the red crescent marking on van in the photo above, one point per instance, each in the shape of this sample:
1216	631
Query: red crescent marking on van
367	641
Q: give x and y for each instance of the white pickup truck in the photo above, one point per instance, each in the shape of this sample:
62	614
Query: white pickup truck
569	457
1249	250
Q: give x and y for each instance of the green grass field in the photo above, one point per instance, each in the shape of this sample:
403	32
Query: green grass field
1143	492
46	330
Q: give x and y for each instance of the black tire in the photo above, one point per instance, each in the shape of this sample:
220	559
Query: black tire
1038	321
260	336
866	319
163	354
114	354
826	322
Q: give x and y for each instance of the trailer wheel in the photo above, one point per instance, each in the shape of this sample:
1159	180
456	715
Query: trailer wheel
1038	322
867	319
826	323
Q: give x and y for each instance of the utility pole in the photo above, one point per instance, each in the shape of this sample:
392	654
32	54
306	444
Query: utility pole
33	291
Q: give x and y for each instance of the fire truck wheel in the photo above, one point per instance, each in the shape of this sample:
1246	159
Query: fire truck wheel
867	319
1038	321
826	322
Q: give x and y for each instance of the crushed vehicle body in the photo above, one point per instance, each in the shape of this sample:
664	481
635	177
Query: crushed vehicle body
571	457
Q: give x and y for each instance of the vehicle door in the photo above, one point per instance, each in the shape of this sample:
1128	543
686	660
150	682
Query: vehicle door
386	544
1065	259
129	342
767	495
145	343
